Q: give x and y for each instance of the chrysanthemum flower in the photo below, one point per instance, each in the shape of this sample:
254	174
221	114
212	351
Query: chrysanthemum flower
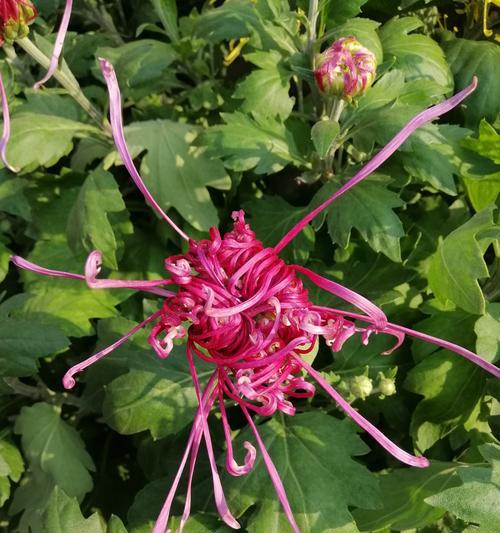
15	15
247	312
345	69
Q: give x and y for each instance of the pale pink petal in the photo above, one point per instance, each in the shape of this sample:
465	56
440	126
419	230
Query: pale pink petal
6	128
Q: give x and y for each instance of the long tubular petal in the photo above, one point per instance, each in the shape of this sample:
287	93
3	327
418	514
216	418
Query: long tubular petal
6	128
32	267
220	499
417	121
194	437
116	119
393	449
348	295
68	379
58	46
395	329
271	468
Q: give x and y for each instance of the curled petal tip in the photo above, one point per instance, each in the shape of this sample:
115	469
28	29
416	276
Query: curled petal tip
421	462
68	381
106	67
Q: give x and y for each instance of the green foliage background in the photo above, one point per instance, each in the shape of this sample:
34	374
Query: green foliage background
420	238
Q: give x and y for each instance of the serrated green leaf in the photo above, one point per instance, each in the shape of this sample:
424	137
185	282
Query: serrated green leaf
458	263
451	386
167	11
404	492
266	89
55	447
342	10
89	225
417	55
247	142
115	525
487	144
312	452
22	342
176	172
63	515
323	133
487	329
468	58
142	66
368	208
11	468
159	398
41	140
476	500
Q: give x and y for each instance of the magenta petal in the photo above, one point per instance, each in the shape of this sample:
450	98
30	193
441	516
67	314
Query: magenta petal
6	128
393	449
417	121
32	267
58	46
116	119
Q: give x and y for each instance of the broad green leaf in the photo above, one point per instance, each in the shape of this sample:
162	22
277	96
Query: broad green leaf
417	55
451	387
41	140
176	172
476	500
368	208
487	329
458	263
483	192
55	447
11	468
5	254
469	58
247	142
266	89
487	144
342	10
271	217
167	11
115	525
404	492
312	453
323	133
142	66
160	397
63	515
89	221
24	341
12	198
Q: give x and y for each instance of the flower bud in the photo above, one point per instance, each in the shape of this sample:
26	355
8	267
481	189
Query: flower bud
361	386
346	69
15	15
387	387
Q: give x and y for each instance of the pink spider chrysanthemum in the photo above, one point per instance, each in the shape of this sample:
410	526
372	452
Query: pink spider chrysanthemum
246	311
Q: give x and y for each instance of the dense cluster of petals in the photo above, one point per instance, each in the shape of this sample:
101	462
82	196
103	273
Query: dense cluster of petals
15	15
345	69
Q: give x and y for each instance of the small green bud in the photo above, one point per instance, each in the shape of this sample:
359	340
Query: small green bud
361	386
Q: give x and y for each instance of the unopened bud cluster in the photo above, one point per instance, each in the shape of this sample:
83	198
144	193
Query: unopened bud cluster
15	15
346	69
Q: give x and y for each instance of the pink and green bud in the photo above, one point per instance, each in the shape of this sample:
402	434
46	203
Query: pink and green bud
346	69
15	16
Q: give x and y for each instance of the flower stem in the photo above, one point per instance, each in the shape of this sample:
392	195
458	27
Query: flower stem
65	78
313	21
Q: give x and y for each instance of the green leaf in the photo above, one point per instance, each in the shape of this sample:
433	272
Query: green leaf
5	254
159	398
271	217
54	447
11	468
487	144
63	515
12	198
323	133
458	263
312	452
451	386
487	329
176	172
365	32
23	341
247	142
167	11
418	56
342	10
404	492
89	225
476	500
142	66
469	58
41	140
115	525
368	207
266	89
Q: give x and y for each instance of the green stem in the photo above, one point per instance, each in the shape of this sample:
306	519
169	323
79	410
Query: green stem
313	22
65	78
